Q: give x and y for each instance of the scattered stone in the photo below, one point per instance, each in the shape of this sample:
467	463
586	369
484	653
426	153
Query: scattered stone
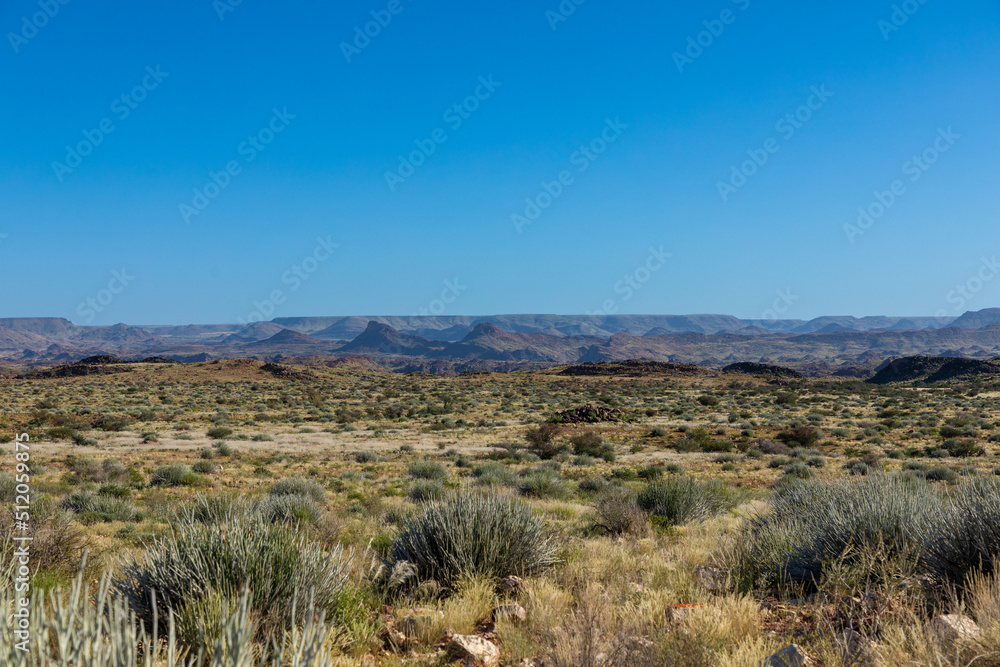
473	649
856	649
711	579
790	656
392	639
511	612
512	584
953	628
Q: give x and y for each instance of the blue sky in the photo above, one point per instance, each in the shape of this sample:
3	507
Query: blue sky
640	225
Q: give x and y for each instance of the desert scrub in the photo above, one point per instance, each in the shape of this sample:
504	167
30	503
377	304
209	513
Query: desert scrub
967	536
427	469
423	490
172	475
471	533
299	486
492	473
680	500
92	508
279	566
542	482
102	632
618	513
811	524
226	507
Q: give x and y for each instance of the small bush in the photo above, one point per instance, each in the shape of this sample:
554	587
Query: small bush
542	482
172	475
680	500
541	440
282	570
469	534
299	486
223	448
204	467
219	432
423	490
800	470
495	474
592	444
968	537
942	474
618	513
92	508
427	469
809	525
365	456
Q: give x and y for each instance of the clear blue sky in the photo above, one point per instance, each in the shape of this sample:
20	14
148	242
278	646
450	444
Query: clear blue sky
657	184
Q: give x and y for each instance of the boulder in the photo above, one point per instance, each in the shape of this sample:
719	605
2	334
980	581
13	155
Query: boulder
953	628
790	656
711	579
473	649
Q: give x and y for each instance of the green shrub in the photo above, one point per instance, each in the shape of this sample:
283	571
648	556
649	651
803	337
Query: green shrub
204	467
680	500
223	448
810	524
470	534
423	490
427	469
593	444
365	456
541	440
495	474
800	470
299	486
172	475
8	486
92	508
542	482
282	570
968	536
219	432
941	474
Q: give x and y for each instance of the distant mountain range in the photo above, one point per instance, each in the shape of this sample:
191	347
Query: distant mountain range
844	345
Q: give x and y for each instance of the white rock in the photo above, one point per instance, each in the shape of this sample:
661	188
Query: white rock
470	648
953	628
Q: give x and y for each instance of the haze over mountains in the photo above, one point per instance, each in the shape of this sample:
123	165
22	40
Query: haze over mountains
844	345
